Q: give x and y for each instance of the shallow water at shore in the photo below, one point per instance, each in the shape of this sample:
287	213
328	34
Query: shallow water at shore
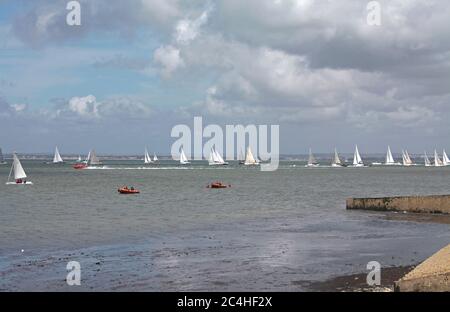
270	231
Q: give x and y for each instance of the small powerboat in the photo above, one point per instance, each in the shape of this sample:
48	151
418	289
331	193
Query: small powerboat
218	185
126	190
80	166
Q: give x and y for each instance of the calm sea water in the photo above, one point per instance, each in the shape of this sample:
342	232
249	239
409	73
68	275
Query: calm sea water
270	231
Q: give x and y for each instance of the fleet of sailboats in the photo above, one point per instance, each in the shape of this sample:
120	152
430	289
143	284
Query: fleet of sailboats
216	159
19	174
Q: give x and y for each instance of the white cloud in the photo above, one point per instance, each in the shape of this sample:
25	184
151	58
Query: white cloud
168	57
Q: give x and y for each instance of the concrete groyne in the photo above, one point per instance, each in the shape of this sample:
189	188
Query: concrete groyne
431	275
418	204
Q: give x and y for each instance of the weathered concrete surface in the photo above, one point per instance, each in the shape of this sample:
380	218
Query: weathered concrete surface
420	204
431	275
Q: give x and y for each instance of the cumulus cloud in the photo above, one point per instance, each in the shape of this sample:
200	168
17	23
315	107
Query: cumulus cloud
168	57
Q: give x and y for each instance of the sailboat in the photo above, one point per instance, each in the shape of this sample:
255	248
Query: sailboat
19	174
406	159
357	160
2	160
445	159
57	158
215	159
155	159
336	162
390	159
147	158
427	160
93	159
250	159
312	162
437	161
183	158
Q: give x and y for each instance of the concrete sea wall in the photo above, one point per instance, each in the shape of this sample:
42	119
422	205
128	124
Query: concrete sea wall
418	204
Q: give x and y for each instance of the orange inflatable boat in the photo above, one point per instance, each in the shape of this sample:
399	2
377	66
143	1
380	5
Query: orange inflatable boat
126	190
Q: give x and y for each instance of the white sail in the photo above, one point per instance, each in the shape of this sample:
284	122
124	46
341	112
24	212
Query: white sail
155	159
88	157
249	159
437	160
389	157
79	158
445	159
57	158
183	158
17	168
336	160
93	159
357	160
147	158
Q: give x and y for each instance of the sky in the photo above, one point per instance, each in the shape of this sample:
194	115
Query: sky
134	69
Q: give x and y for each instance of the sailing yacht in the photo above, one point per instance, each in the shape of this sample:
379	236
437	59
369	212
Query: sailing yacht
2	160
445	159
406	159
183	158
215	159
312	162
336	162
19	174
57	158
437	161
93	159
390	159
147	158
427	160
357	160
155	159
250	159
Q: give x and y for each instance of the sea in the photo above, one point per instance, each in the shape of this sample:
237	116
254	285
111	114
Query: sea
270	231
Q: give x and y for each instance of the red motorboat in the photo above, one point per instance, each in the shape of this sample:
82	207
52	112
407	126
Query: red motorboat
126	190
79	166
218	185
